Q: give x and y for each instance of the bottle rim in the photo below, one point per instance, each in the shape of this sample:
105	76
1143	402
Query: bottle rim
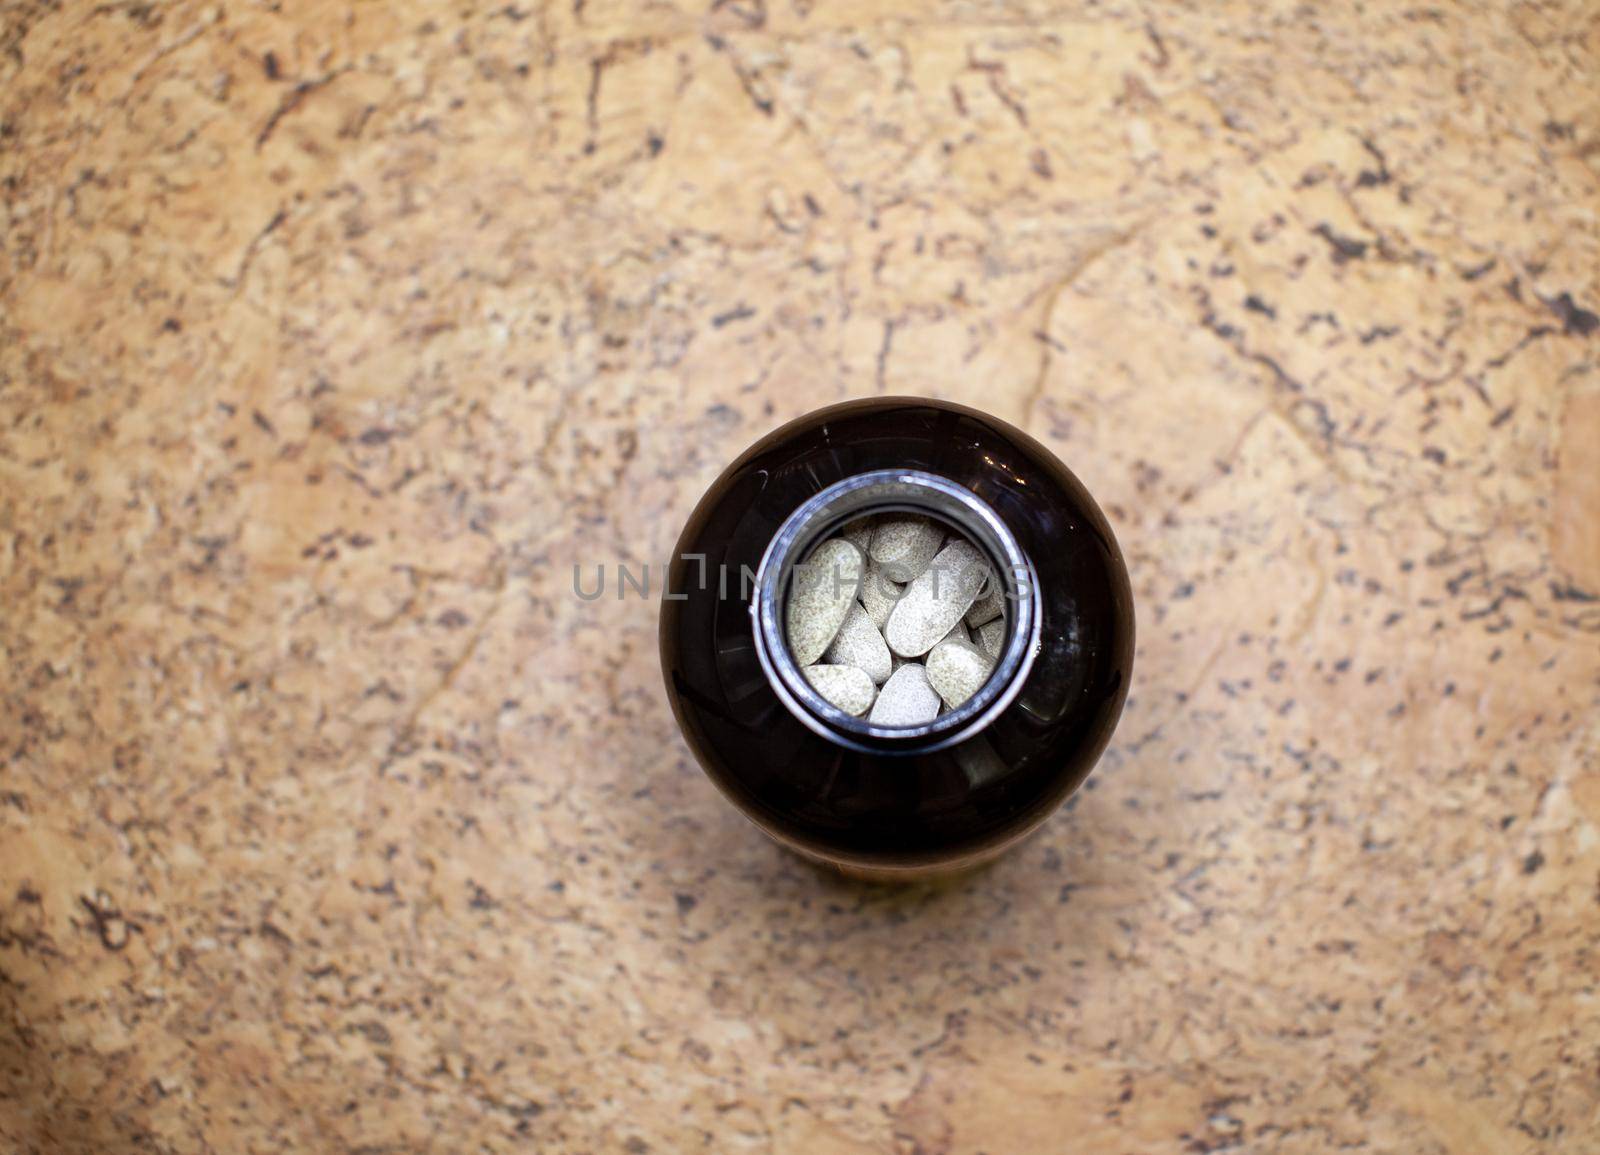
889	491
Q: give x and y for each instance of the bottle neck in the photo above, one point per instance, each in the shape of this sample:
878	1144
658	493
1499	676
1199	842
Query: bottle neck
896	491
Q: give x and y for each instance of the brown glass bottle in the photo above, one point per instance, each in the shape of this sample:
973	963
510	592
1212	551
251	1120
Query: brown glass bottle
898	802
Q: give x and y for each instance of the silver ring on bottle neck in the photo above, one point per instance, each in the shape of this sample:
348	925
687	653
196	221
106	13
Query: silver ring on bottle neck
888	491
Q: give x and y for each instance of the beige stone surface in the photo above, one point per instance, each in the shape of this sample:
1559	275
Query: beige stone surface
333	335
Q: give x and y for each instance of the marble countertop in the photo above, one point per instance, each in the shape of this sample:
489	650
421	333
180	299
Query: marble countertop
333	336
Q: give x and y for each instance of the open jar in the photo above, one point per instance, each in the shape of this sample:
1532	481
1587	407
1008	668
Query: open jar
898	800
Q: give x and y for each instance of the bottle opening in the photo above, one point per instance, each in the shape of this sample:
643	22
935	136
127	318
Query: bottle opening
820	571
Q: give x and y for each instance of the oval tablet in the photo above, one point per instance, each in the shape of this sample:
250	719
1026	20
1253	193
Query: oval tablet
858	643
956	671
991	636
989	606
936	600
879	594
906	699
820	596
859	533
843	686
904	546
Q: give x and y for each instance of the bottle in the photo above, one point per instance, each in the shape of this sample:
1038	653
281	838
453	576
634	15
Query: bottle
907	802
